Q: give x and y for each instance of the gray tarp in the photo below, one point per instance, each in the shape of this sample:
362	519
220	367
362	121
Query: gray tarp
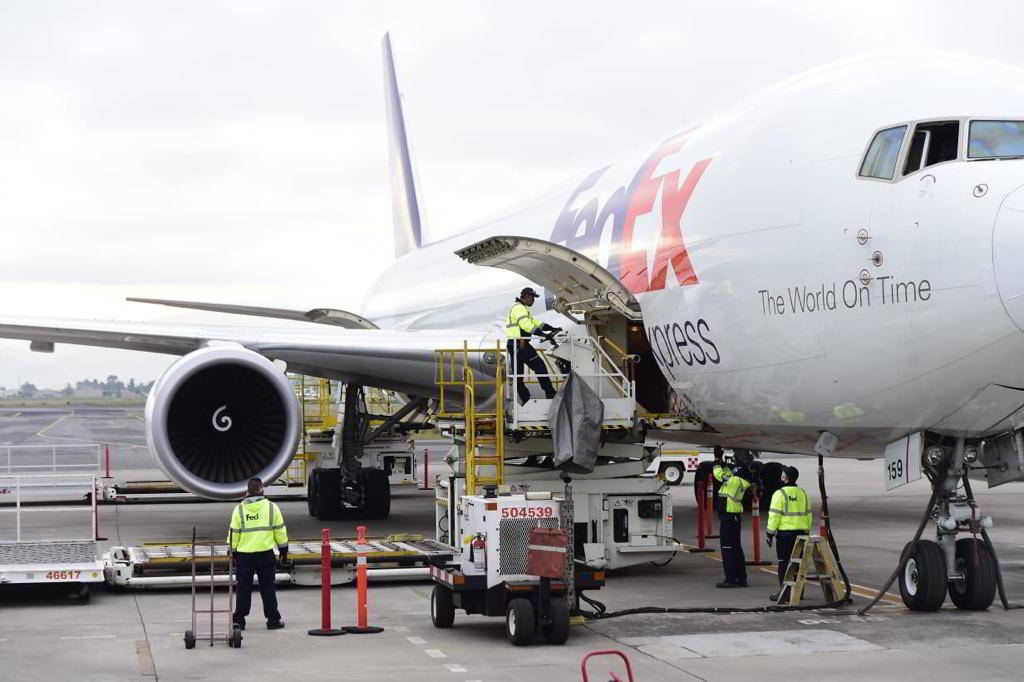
575	419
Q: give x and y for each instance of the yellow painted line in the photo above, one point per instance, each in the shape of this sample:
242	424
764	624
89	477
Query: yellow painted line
859	590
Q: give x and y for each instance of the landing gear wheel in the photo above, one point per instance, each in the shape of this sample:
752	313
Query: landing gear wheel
700	479
978	588
557	631
190	639
377	490
672	473
236	638
324	494
312	492
923	576
771	480
442	610
520	622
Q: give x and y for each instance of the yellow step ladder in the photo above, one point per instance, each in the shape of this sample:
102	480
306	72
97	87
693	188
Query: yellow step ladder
808	551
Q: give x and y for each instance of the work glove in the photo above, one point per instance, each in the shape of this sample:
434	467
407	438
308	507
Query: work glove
769	538
282	558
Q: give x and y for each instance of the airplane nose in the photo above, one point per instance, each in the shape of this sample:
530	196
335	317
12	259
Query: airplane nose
1008	254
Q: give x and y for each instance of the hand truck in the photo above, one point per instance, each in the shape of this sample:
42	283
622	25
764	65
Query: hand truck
233	634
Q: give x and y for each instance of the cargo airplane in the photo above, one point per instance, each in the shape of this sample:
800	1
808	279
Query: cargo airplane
829	266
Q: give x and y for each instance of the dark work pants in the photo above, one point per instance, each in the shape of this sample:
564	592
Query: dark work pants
733	560
527	355
264	565
784	541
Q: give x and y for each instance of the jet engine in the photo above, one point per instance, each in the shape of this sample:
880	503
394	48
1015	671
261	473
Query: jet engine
219	416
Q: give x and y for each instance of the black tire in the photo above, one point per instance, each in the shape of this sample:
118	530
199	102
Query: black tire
236	637
190	639
520	622
978	588
923	576
442	609
771	480
328	493
700	478
557	631
377	489
312	493
673	473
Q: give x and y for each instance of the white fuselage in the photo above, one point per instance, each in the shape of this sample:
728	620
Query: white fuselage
749	243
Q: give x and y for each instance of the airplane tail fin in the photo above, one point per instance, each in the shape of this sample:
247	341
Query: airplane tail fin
405	205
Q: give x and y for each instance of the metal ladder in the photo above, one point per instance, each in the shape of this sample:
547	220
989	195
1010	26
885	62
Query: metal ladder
483	426
811	550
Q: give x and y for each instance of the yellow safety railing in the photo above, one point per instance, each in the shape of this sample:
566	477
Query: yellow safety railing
484	426
319	407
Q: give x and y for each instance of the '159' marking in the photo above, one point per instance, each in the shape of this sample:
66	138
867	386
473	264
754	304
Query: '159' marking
683	343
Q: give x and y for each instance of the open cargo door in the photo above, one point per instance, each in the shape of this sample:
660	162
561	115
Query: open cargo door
579	285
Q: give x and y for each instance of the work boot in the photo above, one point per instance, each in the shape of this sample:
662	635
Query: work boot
240	623
726	583
741	583
774	596
275	625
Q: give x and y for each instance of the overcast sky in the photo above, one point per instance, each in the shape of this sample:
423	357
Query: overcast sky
236	151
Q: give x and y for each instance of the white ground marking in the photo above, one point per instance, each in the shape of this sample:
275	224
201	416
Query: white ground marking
90	637
776	642
435	653
400	628
416	640
455	667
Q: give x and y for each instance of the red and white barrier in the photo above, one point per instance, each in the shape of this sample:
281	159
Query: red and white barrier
361	627
325	629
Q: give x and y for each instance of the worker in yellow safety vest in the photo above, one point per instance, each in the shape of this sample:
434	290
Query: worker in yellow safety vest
734	486
256	528
789	517
520	324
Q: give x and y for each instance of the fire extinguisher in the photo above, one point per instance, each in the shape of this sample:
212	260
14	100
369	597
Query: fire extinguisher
478	553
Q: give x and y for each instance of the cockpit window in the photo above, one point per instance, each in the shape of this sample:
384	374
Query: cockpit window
996	139
880	161
932	143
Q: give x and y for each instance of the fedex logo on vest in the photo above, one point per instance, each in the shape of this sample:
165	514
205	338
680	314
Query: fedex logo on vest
638	262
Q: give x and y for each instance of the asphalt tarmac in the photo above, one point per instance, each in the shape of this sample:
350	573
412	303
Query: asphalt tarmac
137	635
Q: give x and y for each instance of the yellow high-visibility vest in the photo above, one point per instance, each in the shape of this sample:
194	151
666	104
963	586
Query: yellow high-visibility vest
519	322
256	526
733	490
721	473
790	510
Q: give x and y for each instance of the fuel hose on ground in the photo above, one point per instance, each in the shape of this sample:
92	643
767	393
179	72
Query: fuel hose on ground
995	558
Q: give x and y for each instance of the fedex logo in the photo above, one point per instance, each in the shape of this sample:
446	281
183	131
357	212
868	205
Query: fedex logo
580	227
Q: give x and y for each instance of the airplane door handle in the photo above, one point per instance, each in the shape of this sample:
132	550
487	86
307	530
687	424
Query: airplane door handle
863	237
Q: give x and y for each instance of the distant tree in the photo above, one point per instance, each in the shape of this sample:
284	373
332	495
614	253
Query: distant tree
131	384
68	391
27	390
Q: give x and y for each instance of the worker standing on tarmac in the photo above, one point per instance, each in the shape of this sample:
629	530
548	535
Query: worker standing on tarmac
789	517
734	487
256	528
519	325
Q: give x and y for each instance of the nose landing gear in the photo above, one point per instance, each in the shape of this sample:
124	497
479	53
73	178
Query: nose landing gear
966	568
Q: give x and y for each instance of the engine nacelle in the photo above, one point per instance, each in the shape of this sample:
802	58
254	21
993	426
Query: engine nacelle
219	416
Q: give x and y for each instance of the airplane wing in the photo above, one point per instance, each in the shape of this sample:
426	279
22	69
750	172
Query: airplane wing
340	318
397	360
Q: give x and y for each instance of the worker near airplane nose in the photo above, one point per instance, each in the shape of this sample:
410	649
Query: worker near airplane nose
519	325
734	487
256	528
789	517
